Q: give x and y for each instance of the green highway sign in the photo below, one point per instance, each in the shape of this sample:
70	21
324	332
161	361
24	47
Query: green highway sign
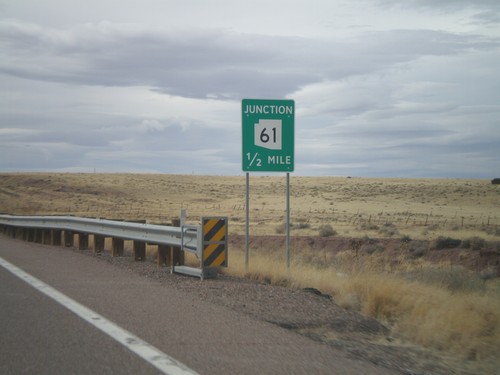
268	135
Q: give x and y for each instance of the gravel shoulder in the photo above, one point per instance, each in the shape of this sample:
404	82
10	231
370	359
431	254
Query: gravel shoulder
306	312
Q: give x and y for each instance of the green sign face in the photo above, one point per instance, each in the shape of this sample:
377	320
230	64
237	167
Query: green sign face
267	135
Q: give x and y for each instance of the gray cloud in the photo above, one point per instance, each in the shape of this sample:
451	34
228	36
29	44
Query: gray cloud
211	63
490	17
79	93
443	4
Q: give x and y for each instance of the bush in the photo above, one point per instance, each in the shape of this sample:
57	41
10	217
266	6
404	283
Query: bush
492	230
446	243
377	248
455	279
280	229
417	248
488	273
326	230
303	225
406	239
474	243
368	226
389	230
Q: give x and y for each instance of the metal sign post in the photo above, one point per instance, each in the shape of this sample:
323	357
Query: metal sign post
247	219
268	143
287	246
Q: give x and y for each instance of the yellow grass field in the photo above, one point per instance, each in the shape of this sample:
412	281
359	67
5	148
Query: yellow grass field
421	208
426	294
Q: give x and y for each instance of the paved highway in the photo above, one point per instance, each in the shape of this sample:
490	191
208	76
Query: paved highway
39	335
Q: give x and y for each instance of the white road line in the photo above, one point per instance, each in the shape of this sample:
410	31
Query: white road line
149	353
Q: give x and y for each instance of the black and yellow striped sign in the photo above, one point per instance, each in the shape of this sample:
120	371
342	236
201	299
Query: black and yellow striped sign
214	241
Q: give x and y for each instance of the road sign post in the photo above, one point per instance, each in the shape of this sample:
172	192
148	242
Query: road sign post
268	145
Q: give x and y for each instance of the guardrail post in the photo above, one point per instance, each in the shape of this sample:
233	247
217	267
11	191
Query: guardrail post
83	241
38	235
98	243
56	237
176	255
31	235
46	236
8	230
117	247
139	251
163	257
68	238
24	234
139	246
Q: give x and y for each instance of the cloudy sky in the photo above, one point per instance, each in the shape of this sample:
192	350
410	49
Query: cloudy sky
385	88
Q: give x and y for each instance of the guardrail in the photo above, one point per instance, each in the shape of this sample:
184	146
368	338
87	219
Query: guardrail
60	230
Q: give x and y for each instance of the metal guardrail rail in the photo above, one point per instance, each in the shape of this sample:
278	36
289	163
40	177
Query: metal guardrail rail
208	240
150	233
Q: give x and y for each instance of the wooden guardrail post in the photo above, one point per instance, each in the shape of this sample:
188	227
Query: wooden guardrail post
139	251
117	246
8	230
55	235
176	255
68	238
139	247
31	234
46	237
83	241
163	257
39	235
98	243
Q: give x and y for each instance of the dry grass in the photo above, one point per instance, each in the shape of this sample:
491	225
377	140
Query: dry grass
446	308
419	208
464	324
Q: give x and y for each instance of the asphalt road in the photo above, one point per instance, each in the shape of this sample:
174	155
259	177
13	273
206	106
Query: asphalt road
40	336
